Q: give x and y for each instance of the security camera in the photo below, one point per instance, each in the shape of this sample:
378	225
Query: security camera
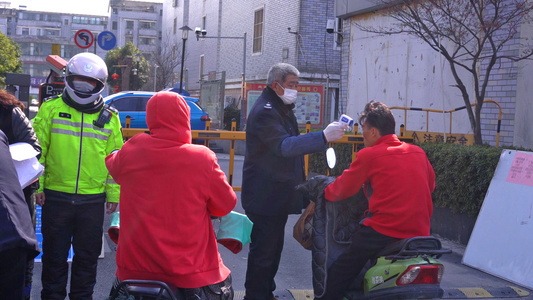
204	32
330	26
197	30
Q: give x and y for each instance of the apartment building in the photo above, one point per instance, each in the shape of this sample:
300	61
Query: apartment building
41	31
274	31
138	22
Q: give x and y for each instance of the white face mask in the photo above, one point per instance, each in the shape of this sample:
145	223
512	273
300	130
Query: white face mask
289	95
82	86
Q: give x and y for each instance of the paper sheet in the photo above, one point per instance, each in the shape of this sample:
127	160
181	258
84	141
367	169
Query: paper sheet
28	167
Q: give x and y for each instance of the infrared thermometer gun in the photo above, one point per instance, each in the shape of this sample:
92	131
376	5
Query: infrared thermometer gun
344	119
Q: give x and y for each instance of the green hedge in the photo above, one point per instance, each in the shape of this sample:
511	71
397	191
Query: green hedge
463	173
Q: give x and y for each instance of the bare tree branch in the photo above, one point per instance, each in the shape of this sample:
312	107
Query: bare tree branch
473	35
168	59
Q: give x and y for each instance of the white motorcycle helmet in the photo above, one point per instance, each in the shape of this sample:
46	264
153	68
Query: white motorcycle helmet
85	78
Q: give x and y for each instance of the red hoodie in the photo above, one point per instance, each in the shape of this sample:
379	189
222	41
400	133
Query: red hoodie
169	190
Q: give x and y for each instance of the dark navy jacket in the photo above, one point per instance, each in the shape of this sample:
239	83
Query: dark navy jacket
16	228
274	159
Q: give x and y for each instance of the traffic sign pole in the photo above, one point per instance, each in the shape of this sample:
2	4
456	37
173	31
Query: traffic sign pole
96	39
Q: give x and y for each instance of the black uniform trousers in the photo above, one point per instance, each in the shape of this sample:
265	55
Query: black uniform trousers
366	243
64	224
268	234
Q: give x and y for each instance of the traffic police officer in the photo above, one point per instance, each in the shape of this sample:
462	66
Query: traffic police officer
76	132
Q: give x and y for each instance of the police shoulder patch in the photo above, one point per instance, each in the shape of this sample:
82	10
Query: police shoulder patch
50	98
268	105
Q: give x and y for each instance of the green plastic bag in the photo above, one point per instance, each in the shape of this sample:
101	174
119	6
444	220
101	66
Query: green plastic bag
114	227
234	231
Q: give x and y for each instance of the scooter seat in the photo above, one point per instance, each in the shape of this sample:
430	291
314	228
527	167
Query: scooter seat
412	246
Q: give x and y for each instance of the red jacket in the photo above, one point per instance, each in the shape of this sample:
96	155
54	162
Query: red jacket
169	190
402	180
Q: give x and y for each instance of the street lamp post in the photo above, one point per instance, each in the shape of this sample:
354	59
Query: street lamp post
137	59
185	34
201	34
155	78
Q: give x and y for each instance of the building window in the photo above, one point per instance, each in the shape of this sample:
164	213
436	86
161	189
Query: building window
29	16
25	31
129	24
285	53
175	3
51	32
204	22
128	39
115	25
88	20
115	11
258	31
175	28
66	21
147	41
49	17
147	25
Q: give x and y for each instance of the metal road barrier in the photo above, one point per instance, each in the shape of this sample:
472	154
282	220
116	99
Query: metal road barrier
427	110
234	135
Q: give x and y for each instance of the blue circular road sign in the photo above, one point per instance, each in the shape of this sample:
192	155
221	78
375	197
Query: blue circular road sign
107	40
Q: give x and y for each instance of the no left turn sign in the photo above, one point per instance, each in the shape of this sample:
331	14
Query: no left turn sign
84	38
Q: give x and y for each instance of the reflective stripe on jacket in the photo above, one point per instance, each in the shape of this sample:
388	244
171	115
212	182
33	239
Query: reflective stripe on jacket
74	150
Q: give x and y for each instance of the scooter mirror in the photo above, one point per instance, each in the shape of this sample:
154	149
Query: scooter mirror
331	158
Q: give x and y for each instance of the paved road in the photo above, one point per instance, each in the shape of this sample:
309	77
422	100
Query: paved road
294	276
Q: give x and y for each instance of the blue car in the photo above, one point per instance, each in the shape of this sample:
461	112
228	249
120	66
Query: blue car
133	104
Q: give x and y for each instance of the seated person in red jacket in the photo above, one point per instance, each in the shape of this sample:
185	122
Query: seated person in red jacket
400	206
169	189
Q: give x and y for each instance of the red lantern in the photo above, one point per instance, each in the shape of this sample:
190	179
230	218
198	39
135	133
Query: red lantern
117	88
114	76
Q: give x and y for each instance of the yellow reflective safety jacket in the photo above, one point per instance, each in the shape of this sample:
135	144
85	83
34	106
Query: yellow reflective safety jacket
74	150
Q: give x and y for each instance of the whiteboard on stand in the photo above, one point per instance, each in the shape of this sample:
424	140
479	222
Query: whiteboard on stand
501	243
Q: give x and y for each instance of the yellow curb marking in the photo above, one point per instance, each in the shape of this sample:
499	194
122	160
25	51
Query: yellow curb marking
302	294
476	293
520	291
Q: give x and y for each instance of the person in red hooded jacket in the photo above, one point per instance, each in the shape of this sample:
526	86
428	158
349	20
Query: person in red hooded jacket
170	188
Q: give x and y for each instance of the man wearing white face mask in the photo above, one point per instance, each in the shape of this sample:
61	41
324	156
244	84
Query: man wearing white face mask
76	132
273	166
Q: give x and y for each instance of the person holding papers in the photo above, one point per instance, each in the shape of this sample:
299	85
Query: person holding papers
18	244
17	128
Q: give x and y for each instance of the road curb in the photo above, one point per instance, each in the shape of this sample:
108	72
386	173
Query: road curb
470	293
